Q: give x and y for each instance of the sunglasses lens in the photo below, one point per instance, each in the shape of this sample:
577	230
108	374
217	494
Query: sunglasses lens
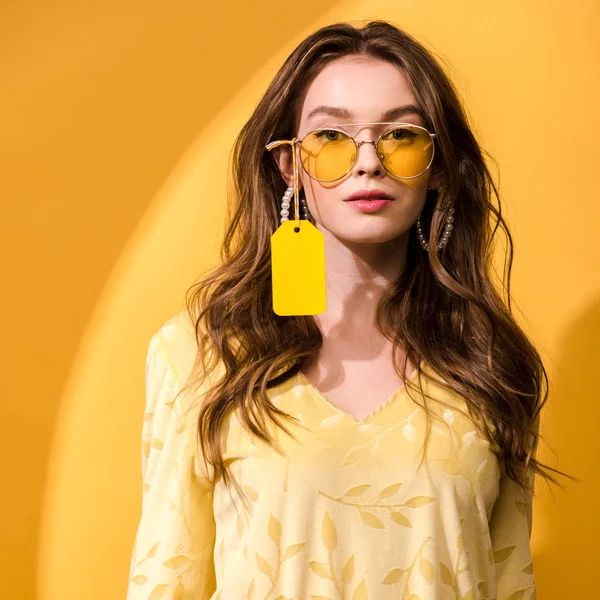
406	150
327	154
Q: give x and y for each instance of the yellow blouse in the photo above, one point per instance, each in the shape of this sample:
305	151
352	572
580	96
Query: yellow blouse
341	513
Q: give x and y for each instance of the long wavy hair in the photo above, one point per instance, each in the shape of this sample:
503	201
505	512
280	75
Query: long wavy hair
443	309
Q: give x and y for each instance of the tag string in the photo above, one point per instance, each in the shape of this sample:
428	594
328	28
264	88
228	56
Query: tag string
296	201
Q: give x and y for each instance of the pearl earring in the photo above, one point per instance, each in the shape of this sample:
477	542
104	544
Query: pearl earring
285	206
447	229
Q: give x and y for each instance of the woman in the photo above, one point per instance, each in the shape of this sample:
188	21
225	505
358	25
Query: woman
383	447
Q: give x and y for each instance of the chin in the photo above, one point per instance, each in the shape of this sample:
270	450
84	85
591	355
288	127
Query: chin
369	235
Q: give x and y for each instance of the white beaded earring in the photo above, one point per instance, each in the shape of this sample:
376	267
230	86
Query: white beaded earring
447	229
285	206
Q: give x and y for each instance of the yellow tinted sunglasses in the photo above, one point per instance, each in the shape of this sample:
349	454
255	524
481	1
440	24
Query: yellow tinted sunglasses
328	153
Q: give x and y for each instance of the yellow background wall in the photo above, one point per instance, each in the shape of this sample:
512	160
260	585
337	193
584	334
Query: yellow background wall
116	122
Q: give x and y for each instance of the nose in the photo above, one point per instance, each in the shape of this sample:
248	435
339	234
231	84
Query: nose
369	160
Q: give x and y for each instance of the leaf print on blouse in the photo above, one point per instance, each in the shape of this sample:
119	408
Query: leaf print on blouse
274	531
460	463
179	562
366	508
243	520
450	575
373	444
426	570
327	570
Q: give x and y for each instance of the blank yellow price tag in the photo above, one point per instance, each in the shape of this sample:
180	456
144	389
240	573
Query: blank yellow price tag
298	269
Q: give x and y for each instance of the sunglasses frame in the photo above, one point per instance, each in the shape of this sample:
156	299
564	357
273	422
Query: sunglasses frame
298	141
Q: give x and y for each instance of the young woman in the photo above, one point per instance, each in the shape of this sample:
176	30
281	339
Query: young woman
384	447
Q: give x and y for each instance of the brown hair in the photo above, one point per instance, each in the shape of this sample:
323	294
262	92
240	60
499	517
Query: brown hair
443	309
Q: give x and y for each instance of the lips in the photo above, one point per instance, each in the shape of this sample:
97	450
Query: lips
369	195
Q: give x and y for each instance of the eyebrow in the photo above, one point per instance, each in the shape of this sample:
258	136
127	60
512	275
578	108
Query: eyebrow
344	113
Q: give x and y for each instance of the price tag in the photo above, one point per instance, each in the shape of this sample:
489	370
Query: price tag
298	269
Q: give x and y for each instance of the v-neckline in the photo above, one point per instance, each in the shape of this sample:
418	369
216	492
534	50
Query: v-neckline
363	420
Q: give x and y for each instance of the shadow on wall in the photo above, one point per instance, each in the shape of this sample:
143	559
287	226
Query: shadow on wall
572	415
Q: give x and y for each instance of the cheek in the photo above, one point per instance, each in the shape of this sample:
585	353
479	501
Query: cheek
415	206
323	203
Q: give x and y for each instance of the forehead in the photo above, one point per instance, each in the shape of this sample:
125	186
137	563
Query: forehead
366	89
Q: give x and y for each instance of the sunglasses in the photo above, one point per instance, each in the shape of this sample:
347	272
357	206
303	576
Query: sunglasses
328	153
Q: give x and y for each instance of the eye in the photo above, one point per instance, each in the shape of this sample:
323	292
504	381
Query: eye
330	135
402	133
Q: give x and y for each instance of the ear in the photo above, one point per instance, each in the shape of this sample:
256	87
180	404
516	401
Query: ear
283	157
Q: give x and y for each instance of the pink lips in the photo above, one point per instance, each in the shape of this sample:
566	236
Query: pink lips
369	205
371	194
369	200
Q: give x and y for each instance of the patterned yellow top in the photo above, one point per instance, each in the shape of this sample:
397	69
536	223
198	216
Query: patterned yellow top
342	513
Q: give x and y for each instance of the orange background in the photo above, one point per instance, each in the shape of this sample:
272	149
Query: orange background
116	123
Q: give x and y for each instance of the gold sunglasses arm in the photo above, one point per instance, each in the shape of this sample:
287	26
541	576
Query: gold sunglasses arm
276	143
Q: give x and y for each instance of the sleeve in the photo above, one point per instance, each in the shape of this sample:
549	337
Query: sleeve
172	557
510	531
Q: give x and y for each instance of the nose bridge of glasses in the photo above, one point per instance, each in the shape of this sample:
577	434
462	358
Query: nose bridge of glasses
372	142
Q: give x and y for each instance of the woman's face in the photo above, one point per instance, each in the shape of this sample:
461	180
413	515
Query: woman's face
367	90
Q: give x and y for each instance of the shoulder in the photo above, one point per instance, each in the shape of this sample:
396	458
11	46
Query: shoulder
174	342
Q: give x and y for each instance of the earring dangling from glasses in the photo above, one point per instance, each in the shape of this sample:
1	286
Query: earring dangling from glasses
285	206
447	229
